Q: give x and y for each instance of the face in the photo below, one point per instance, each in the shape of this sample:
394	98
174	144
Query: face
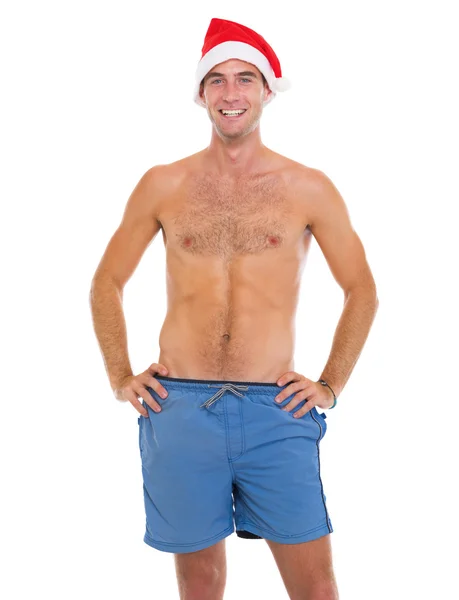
234	85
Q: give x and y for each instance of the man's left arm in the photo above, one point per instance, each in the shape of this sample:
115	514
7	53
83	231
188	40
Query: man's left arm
330	223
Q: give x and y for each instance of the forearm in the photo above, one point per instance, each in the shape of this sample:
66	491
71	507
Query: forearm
350	336
106	301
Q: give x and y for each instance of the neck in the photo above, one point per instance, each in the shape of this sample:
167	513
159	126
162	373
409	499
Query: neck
237	156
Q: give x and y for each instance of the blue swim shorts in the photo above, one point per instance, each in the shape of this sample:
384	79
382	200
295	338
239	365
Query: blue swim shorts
223	455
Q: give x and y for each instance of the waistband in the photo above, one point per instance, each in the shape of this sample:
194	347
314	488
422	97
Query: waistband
255	387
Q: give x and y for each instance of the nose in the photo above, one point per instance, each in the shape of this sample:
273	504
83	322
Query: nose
230	93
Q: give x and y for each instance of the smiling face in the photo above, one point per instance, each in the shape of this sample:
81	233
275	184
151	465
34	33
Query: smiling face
234	92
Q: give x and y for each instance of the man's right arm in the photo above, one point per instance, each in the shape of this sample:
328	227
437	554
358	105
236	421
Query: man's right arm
138	228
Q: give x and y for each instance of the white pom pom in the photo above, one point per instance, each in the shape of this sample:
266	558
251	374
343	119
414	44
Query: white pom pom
282	84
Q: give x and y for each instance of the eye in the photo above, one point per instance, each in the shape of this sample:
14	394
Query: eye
245	79
216	80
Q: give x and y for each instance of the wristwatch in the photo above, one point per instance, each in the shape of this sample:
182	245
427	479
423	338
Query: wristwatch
323	382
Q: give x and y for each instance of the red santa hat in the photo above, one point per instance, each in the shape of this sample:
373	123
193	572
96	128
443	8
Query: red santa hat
227	39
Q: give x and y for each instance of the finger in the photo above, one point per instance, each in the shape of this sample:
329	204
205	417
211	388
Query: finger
285	378
289	376
289	390
155	385
145	394
157	368
308	405
303	410
295	401
132	398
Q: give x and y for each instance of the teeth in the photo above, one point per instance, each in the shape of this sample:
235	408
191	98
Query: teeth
232	112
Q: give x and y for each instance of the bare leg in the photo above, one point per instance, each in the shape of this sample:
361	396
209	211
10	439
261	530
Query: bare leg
201	575
306	569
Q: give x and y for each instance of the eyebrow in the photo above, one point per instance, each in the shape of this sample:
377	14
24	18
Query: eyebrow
241	74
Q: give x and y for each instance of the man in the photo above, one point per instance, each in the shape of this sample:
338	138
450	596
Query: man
224	417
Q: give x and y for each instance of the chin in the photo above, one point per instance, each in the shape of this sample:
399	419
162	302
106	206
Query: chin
230	136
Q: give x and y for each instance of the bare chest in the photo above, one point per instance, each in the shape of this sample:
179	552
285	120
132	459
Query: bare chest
224	219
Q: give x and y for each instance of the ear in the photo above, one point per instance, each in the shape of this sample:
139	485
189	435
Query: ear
266	92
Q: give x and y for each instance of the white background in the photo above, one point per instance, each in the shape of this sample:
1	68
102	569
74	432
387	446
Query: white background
93	95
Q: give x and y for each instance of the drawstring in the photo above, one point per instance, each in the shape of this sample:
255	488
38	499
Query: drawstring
225	387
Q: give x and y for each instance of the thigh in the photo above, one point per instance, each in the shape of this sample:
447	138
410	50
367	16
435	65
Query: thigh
186	477
279	491
305	567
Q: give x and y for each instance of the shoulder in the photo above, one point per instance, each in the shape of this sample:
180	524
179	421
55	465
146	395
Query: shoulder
297	175
307	178
313	191
316	189
168	177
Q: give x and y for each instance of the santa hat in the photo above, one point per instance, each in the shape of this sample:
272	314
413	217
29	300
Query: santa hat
227	39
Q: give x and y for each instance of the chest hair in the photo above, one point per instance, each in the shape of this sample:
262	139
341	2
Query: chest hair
225	218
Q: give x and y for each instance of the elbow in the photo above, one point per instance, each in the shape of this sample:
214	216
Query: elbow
103	280
366	290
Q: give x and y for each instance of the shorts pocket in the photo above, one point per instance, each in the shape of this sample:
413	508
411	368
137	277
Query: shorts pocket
139	421
319	418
